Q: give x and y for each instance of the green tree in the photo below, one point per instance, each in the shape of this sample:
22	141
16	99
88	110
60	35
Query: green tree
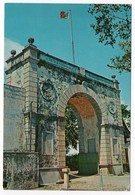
112	23
126	114
71	129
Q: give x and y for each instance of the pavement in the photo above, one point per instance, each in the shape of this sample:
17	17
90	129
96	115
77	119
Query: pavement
93	183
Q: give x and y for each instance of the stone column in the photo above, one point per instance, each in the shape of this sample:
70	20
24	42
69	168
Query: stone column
30	85
123	152
66	177
105	150
61	150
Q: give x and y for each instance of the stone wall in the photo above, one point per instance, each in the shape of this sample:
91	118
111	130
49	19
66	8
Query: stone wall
21	170
14	103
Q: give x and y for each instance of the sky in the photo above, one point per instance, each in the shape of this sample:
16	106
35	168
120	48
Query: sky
52	35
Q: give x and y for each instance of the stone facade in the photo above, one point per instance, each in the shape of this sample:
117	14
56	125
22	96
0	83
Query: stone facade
14	103
50	84
21	170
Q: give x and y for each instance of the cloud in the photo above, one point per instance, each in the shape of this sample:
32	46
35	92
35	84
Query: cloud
8	46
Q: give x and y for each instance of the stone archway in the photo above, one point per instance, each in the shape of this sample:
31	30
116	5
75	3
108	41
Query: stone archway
95	108
72	90
47	84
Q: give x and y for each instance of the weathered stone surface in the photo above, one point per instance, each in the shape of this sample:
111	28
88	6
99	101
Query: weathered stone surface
46	86
21	170
14	103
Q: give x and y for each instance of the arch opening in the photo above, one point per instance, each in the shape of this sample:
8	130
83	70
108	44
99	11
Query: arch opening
88	119
92	114
88	122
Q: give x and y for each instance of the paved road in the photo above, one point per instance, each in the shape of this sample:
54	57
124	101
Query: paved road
94	183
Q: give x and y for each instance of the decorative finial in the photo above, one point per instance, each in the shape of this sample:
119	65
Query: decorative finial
113	76
13	52
31	40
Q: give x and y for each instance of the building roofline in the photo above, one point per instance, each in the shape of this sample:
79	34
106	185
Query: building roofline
58	59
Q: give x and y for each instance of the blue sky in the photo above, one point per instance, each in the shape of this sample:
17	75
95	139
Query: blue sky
52	35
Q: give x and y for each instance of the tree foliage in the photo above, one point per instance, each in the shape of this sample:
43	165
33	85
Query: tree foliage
126	114
125	111
71	129
113	26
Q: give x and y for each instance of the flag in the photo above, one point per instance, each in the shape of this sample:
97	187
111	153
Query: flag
64	15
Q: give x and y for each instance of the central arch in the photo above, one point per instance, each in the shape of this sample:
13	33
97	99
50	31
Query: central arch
92	113
74	89
88	121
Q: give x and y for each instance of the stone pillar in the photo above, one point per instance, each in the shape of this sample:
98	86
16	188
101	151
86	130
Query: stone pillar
61	150
30	85
119	112
123	151
66	177
105	150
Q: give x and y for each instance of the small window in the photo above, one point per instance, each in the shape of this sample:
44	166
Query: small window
115	146
47	143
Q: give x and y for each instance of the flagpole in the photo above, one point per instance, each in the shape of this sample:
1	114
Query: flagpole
71	30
